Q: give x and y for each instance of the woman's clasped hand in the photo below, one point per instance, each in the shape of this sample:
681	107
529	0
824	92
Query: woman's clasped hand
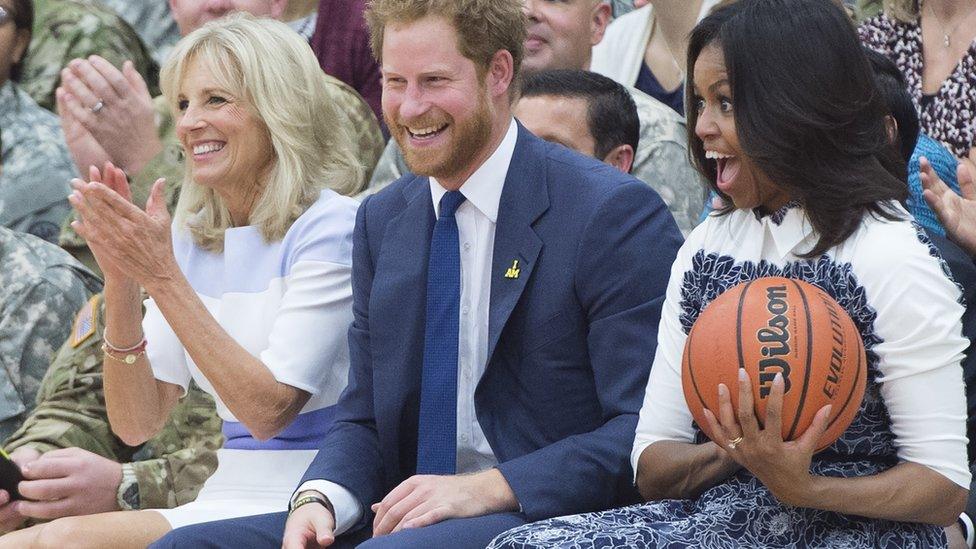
783	466
127	241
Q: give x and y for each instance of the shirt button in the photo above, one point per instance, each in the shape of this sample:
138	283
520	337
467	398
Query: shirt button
467	246
464	438
465	309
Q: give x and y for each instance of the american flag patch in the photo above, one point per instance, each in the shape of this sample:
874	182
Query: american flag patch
84	326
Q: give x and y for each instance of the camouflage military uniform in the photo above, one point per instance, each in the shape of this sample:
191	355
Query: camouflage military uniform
661	161
36	166
621	7
168	164
152	20
866	9
169	469
41	289
70	29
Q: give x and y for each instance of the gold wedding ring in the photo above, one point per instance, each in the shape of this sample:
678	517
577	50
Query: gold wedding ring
735	441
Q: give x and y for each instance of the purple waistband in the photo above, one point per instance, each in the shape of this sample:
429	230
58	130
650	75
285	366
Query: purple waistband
305	433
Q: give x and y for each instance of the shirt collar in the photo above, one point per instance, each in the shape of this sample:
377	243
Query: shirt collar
484	188
789	228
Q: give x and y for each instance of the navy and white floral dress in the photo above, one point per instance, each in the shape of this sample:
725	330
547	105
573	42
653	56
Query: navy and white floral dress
895	286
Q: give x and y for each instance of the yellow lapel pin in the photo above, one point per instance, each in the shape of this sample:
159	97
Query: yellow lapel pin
513	271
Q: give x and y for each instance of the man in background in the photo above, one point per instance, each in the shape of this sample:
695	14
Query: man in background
584	111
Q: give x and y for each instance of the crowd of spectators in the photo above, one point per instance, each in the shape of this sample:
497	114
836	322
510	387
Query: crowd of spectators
419	273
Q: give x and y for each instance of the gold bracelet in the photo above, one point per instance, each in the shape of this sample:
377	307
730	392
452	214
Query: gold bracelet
129	358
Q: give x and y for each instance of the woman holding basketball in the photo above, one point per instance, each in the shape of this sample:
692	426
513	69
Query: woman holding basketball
793	137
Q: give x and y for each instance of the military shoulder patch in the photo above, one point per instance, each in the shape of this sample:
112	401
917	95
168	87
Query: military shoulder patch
84	326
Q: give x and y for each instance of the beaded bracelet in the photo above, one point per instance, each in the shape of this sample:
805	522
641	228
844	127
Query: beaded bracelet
134	348
125	356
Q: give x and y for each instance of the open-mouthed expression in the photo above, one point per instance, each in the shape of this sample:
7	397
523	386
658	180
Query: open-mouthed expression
736	175
435	103
228	146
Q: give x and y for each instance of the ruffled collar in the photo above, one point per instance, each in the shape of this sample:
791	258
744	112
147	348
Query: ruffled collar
777	216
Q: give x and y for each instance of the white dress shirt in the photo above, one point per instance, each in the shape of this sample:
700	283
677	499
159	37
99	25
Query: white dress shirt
476	219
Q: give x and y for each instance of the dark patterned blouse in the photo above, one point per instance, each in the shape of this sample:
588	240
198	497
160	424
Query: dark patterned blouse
950	115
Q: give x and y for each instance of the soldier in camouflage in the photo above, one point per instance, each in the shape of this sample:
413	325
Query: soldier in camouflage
71	29
41	288
37	166
166	471
661	159
621	7
152	20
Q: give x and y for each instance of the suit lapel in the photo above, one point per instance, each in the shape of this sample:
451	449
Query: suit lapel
525	197
398	326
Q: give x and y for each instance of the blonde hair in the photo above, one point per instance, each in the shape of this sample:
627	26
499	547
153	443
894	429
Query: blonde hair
484	27
274	71
906	11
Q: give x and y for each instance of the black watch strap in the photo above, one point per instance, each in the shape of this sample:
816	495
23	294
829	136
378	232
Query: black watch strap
312	496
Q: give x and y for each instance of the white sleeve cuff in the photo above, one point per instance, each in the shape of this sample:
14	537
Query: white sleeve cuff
348	510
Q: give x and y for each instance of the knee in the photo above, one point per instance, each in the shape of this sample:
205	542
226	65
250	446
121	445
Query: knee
381	542
60	533
180	537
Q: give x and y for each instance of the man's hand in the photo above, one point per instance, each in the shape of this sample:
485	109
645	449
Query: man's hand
10	517
115	108
422	500
956	213
311	526
69	482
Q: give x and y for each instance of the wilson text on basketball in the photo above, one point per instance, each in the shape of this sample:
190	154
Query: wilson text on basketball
775	340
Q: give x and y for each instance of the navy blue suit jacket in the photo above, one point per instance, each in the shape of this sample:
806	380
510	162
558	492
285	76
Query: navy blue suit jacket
571	340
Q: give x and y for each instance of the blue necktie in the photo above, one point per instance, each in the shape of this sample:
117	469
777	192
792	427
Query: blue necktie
437	429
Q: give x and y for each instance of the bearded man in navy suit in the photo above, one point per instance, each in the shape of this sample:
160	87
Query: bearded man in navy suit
506	301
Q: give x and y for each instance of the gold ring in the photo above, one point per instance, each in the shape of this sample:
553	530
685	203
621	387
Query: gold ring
735	441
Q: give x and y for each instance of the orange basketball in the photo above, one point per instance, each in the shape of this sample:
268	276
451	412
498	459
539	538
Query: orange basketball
777	325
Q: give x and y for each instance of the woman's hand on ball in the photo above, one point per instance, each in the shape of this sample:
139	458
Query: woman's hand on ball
782	466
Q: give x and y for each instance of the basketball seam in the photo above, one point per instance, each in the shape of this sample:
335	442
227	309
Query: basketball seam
738	325
691	371
857	377
806	373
